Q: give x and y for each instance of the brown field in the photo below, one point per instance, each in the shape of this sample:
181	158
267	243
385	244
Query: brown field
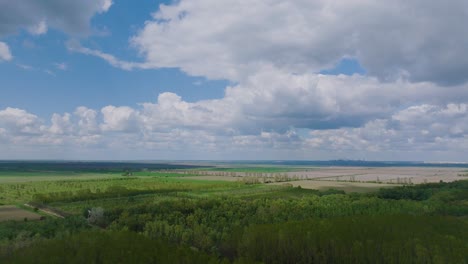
215	178
359	187
8	212
414	175
401	175
349	179
310	184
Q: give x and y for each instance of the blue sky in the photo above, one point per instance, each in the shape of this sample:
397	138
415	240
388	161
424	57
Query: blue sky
88	80
207	80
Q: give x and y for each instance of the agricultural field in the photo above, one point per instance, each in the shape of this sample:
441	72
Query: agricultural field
210	215
254	169
392	175
397	175
348	187
19	192
8	213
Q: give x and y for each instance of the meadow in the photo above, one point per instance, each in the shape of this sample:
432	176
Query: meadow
212	214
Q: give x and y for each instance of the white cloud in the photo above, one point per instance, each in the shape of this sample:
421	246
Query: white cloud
19	121
432	121
70	16
87	121
5	54
419	128
20	130
61	124
419	40
75	46
124	119
38	29
170	111
417	132
106	4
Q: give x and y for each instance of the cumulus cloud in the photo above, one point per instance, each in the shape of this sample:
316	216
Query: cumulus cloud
124	119
417	128
170	111
87	121
430	121
61	124
69	16
167	126
5	54
417	40
19	121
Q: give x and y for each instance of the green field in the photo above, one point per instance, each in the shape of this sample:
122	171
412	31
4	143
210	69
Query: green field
210	220
21	190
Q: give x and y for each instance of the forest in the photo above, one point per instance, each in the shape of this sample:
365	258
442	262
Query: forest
163	217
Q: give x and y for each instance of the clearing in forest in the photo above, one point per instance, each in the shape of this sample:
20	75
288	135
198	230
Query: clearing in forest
9	212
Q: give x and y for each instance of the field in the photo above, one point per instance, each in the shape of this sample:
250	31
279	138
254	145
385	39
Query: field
396	175
21	185
348	179
385	175
14	213
216	214
12	177
254	169
20	191
349	187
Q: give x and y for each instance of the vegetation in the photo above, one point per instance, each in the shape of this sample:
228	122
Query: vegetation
358	239
108	247
167	218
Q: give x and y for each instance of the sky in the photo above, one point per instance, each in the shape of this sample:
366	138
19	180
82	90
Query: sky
234	80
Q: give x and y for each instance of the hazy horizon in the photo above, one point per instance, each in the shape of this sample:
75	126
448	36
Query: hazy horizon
258	162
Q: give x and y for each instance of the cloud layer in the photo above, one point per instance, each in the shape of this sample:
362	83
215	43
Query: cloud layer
297	116
417	40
